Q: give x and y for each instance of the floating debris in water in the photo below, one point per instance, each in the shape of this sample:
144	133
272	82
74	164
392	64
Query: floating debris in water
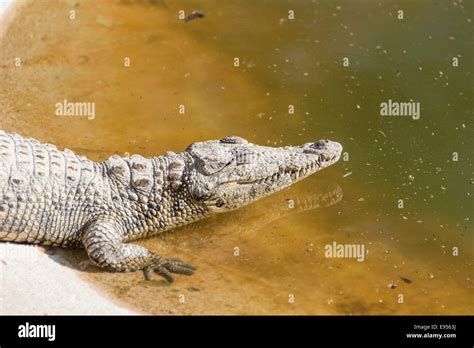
347	174
193	15
251	64
406	280
392	286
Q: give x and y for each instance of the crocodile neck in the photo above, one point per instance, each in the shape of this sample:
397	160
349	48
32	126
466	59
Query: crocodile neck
152	196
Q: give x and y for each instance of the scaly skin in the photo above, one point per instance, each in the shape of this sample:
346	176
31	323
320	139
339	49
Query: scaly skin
54	197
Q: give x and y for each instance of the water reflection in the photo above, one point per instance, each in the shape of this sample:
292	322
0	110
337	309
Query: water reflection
255	217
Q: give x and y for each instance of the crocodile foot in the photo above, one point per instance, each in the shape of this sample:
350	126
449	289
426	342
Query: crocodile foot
165	266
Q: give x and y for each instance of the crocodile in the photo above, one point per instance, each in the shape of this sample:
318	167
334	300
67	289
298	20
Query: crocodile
58	198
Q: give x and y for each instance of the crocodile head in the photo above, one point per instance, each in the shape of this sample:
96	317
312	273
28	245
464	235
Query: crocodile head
226	174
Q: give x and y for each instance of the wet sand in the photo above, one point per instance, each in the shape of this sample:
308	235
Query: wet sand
281	268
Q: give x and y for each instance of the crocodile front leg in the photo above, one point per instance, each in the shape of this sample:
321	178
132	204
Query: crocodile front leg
103	241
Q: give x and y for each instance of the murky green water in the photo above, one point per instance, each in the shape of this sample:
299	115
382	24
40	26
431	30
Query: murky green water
282	62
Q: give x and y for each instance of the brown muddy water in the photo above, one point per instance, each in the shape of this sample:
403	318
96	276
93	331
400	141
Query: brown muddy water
269	257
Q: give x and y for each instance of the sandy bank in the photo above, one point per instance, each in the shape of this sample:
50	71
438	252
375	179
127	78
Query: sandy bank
32	282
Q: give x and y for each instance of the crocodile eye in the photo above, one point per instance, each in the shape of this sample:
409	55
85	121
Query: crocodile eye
219	203
212	166
233	139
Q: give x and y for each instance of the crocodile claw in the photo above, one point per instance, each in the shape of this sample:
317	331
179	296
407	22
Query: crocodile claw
165	266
